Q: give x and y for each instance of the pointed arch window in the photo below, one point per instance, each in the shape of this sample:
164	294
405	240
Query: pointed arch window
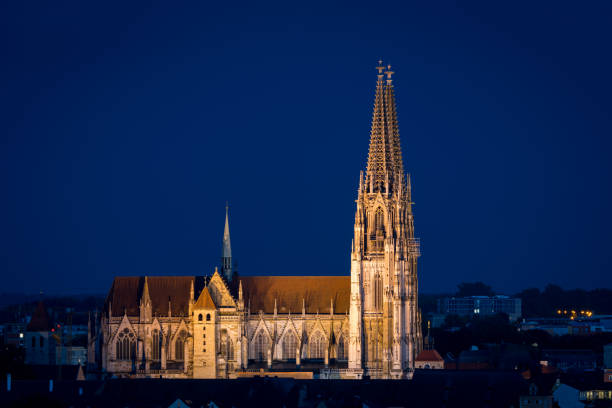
260	347
227	346
317	346
379	222
179	347
289	346
125	345
342	353
156	345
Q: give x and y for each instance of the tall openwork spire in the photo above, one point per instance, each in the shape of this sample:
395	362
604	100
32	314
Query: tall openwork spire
226	259
384	284
385	167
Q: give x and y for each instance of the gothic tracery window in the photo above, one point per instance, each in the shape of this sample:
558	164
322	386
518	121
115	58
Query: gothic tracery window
226	347
289	346
317	346
260	347
125	345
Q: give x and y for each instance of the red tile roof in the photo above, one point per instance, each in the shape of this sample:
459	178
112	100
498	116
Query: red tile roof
125	294
316	291
40	322
429	355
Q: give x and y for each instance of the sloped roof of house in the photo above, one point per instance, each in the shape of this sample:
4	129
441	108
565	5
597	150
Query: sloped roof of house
40	322
429	355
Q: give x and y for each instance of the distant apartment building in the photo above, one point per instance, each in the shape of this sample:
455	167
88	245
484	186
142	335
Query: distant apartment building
574	359
480	306
13	334
561	326
608	356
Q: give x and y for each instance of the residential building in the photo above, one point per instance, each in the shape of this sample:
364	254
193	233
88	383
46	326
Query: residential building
608	356
481	306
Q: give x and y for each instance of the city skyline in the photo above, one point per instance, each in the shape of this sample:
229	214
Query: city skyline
122	144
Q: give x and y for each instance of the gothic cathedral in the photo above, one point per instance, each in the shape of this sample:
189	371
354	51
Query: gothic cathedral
366	325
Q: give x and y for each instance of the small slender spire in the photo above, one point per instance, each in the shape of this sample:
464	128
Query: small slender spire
240	290
226	259
145	291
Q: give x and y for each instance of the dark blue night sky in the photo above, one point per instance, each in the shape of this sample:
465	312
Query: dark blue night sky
126	127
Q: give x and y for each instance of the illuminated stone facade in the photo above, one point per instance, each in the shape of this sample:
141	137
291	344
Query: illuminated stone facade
365	324
385	323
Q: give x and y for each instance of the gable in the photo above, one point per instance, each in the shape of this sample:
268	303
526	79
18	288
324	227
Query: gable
219	291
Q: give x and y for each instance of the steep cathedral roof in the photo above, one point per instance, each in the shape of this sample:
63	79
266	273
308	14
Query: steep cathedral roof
125	294
316	293
385	155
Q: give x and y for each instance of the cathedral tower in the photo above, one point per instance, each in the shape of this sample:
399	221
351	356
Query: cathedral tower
385	332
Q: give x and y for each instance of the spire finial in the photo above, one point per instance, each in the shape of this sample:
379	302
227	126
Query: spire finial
380	67
389	74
